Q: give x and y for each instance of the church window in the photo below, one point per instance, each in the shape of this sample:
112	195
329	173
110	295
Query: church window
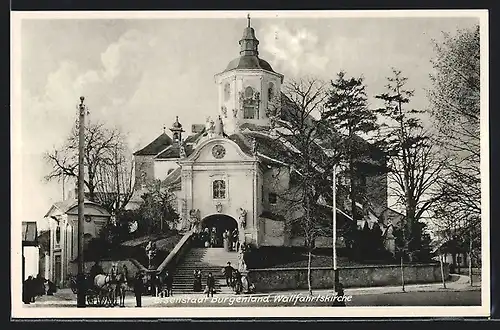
248	92
273	198
219	189
58	234
270	91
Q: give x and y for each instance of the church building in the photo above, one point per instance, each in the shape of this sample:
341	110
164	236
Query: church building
223	173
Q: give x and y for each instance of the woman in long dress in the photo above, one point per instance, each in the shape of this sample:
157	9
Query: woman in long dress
226	240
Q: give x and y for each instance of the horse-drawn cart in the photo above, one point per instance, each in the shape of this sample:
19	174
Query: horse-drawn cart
100	291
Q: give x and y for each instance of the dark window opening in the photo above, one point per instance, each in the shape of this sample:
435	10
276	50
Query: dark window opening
248	112
273	198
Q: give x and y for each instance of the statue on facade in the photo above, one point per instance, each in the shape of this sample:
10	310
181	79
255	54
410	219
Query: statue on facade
182	151
194	215
151	253
254	146
242	266
235	113
242	216
224	111
210	127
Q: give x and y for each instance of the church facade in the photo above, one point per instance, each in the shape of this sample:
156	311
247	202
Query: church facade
223	173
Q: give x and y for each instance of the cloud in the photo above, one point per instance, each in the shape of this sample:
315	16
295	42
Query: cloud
295	52
48	117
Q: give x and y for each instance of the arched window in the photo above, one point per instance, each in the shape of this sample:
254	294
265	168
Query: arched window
219	189
249	92
58	234
270	91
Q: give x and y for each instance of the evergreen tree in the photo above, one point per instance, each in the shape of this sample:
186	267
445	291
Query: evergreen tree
349	117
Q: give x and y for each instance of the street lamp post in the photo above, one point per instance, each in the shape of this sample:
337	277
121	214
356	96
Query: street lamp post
334	230
81	208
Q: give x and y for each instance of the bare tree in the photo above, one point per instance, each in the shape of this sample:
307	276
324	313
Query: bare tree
455	99
108	166
413	160
299	131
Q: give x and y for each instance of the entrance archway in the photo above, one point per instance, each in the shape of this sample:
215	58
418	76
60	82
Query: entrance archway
221	223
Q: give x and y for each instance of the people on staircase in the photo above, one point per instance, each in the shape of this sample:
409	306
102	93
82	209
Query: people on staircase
234	239
213	237
227	243
169	281
237	282
228	274
210	285
197	281
206	237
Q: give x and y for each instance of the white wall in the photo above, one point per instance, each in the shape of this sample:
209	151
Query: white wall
31	261
162	167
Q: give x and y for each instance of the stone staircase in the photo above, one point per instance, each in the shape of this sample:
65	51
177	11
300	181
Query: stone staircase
207	260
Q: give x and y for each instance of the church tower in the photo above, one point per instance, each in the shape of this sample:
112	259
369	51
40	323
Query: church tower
249	89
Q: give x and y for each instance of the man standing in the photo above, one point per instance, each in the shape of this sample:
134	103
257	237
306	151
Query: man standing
210	285
169	280
138	288
228	273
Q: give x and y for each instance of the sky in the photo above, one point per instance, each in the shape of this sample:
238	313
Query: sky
138	74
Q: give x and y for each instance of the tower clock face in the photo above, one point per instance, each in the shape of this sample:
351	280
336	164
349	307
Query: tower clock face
227	92
218	151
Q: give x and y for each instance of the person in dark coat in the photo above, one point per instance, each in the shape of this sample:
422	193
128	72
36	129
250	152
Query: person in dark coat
340	293
169	282
234	239
197	281
237	282
228	274
31	289
210	285
95	270
138	288
26	298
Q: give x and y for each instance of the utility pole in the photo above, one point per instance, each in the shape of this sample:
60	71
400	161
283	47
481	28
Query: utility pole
81	207
334	230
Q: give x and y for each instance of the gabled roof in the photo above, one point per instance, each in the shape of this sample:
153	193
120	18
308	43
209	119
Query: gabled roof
69	204
173	178
174	151
159	144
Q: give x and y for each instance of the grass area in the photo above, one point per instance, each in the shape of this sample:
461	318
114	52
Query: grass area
295	257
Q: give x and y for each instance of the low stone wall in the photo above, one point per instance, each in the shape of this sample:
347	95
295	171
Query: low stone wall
350	277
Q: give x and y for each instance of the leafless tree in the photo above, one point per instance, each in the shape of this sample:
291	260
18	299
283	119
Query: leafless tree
298	133
455	99
413	160
108	165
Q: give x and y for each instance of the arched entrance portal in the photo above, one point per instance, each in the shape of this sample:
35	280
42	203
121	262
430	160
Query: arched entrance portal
216	225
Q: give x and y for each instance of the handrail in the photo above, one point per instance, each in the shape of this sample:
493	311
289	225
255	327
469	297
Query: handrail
171	256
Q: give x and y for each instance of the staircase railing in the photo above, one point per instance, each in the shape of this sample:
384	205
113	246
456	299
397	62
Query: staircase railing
177	253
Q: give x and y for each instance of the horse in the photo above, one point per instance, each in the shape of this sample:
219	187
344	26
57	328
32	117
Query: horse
106	289
121	288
